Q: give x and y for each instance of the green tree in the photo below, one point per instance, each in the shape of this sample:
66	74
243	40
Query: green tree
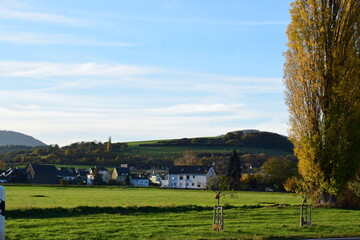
233	174
127	181
253	182
322	79
229	136
3	165
355	186
277	170
98	180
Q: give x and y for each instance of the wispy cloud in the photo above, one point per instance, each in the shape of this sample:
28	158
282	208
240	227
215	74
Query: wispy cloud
60	100
134	124
92	75
51	69
137	80
105	99
58	39
31	16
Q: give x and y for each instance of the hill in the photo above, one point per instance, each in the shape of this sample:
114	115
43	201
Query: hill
11	138
237	139
255	147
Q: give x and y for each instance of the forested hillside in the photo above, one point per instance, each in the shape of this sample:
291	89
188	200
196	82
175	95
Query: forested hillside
265	140
254	147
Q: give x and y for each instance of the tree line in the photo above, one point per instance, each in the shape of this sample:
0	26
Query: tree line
81	153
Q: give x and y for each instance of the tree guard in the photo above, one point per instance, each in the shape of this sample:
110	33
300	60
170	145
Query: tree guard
305	214
218	216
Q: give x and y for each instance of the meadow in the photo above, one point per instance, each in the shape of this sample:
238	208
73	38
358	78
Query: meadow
177	150
35	212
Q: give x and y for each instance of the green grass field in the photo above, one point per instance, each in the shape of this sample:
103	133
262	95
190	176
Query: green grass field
177	150
146	213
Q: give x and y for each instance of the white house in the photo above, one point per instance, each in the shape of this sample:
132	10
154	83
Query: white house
103	172
165	181
156	178
191	177
139	181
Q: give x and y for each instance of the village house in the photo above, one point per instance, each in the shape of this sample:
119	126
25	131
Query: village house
155	178
190	177
41	174
121	175
103	173
139	181
66	174
14	175
165	181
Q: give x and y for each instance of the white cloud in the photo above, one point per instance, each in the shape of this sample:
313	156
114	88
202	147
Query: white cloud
122	124
50	69
63	100
199	108
92	75
58	39
23	15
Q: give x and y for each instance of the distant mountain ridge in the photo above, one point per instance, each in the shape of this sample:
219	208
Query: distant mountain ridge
18	139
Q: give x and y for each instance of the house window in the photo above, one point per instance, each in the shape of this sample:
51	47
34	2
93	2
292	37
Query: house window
181	177
193	176
192	184
198	185
187	177
173	178
174	184
187	184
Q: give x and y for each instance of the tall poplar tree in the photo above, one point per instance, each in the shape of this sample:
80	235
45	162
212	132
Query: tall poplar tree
108	146
322	79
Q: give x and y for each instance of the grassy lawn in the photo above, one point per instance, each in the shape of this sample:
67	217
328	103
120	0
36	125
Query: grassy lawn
134	213
67	197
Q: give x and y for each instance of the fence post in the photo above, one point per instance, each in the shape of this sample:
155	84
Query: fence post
2	213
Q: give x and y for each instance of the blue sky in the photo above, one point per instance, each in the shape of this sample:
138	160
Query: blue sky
83	70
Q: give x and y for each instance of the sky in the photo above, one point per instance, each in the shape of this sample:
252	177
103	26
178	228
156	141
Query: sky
84	70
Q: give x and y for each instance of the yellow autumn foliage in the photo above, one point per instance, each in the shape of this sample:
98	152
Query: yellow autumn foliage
322	80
